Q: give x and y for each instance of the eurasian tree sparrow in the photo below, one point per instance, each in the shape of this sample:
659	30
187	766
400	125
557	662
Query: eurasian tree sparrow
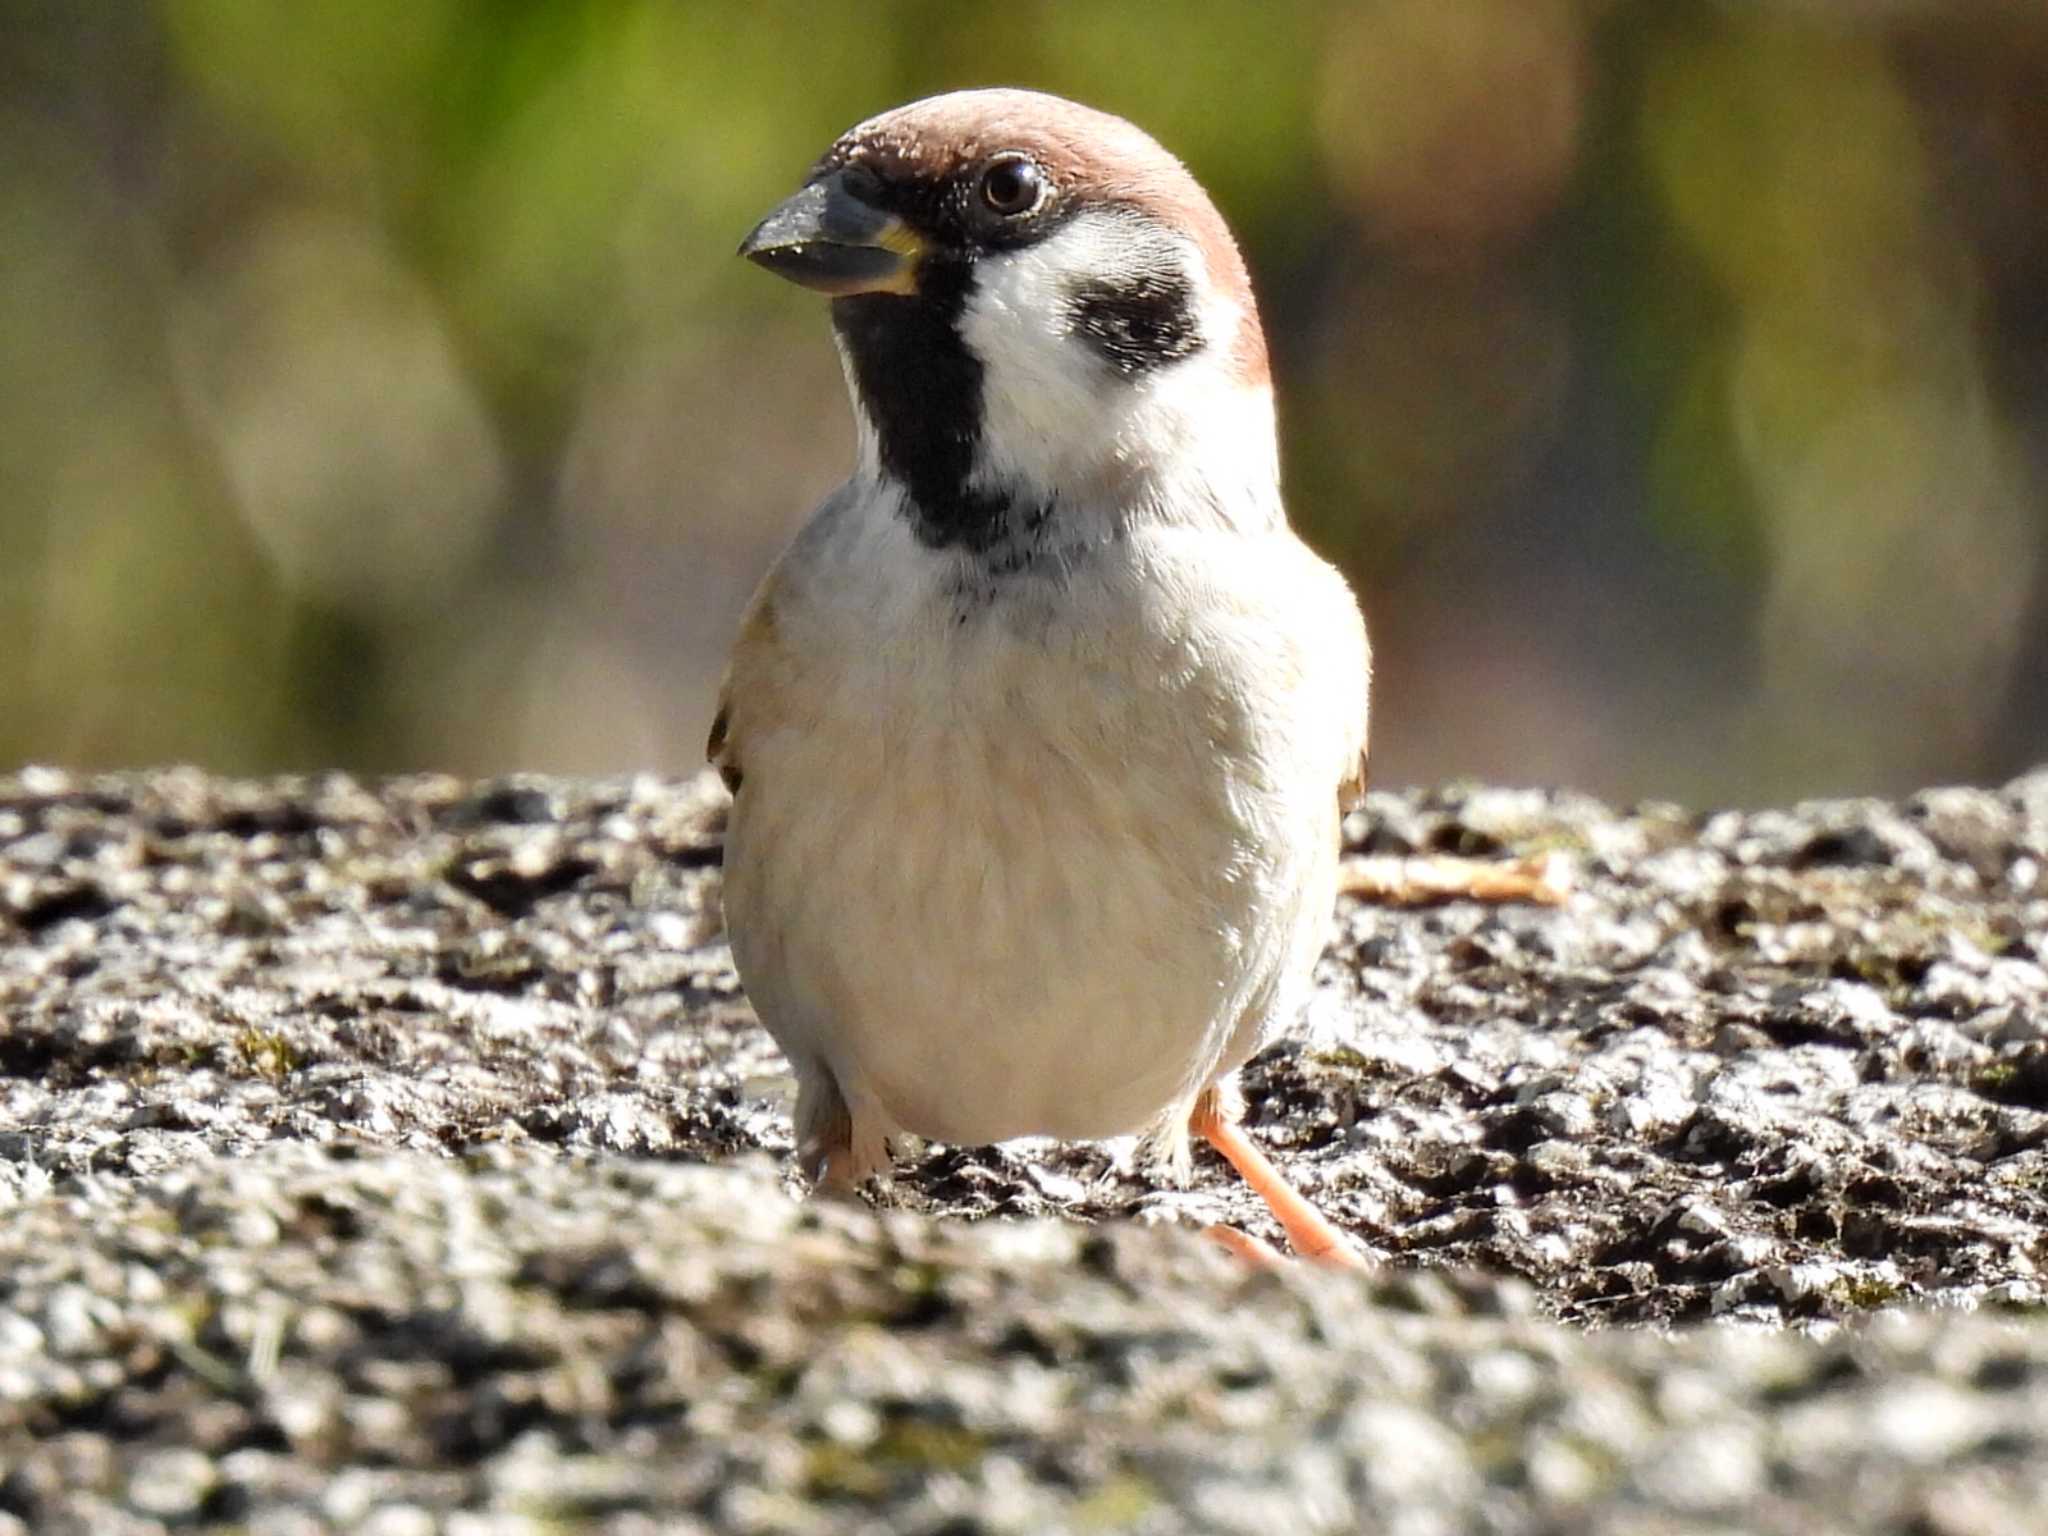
1040	732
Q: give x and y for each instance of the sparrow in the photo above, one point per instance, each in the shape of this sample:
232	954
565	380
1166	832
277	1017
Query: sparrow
1040	732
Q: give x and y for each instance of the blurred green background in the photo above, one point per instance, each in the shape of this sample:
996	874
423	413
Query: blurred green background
378	388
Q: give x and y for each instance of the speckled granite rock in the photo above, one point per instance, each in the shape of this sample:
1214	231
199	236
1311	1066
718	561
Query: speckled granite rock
404	1159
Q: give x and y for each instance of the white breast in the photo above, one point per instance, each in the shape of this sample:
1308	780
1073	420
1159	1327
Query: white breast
1035	868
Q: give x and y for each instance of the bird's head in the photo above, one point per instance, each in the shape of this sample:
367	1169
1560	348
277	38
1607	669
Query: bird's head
1039	308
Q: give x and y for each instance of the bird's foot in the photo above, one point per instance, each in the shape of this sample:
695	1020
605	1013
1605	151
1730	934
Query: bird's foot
1255	1252
839	1147
1312	1235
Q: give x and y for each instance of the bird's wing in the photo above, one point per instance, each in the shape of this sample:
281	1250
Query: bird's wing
766	680
719	751
753	655
1351	793
1352	653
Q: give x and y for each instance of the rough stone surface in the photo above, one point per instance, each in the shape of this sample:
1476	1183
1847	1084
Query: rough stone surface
404	1159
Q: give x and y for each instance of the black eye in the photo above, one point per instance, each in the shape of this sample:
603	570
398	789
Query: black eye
1011	185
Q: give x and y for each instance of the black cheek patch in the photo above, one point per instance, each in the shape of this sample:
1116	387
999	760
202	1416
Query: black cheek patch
1140	323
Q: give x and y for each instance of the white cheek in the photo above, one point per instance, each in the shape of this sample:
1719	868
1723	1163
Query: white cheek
1223	444
1042	398
1056	418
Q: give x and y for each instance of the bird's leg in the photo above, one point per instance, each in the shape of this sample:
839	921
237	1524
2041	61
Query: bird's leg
826	1155
1311	1233
824	1126
838	1144
1427	880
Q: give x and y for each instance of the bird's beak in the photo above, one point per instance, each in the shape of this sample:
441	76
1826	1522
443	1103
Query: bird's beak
828	239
